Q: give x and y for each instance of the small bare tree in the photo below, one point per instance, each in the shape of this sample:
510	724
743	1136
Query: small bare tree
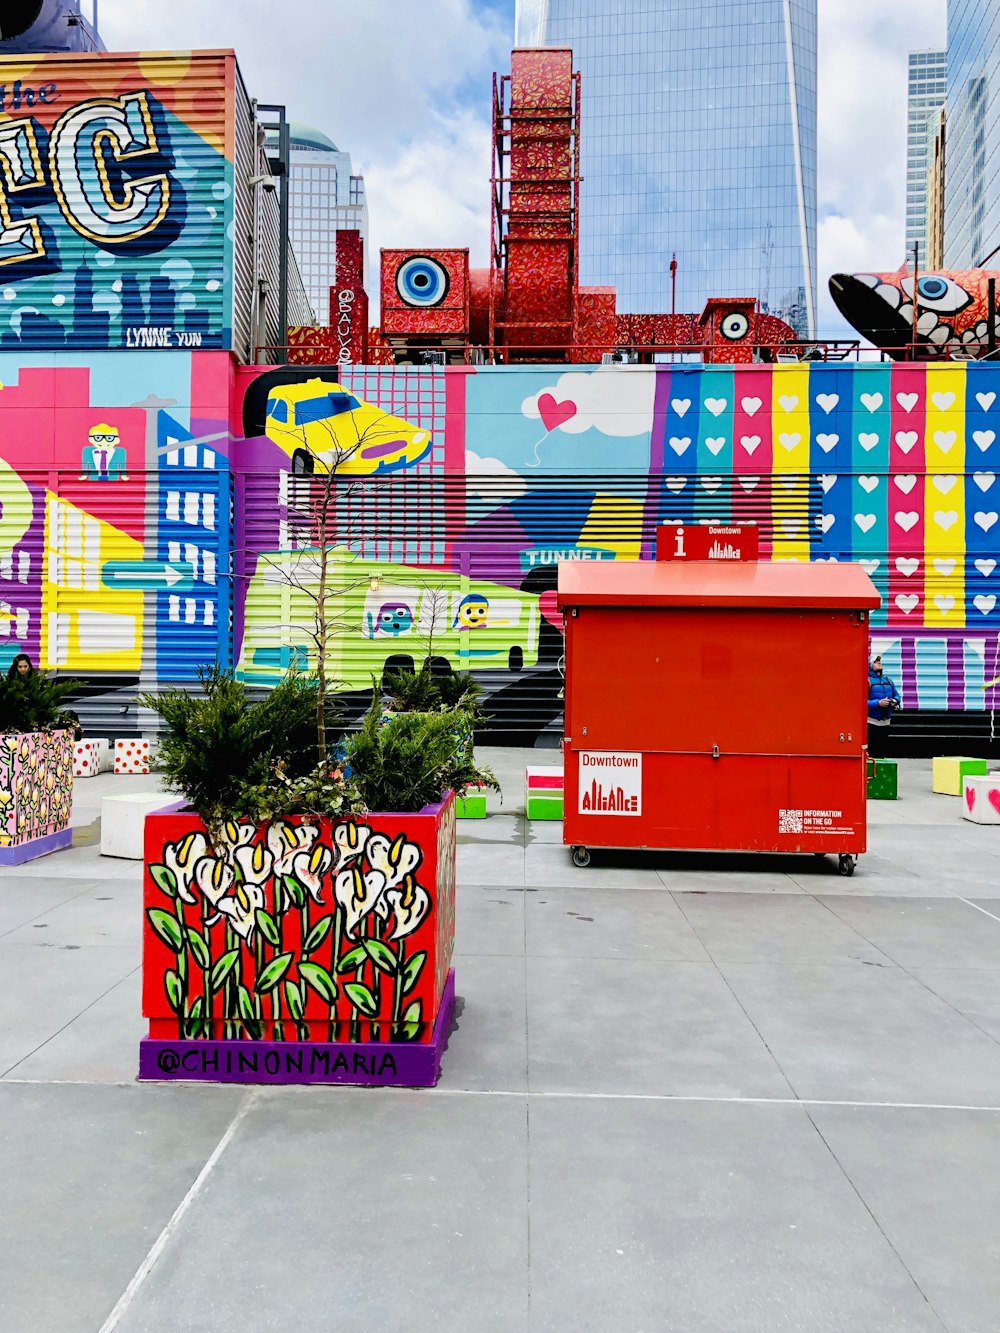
324	504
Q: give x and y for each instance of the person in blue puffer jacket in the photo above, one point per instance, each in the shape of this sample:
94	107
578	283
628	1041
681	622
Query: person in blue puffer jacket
883	700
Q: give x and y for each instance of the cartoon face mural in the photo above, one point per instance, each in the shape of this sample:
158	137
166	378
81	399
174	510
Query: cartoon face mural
953	311
103	458
472	612
392	618
324	428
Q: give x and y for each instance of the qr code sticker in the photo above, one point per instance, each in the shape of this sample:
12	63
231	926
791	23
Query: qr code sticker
789	821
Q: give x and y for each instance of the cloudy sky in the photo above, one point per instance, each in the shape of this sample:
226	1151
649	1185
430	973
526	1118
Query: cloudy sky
405	86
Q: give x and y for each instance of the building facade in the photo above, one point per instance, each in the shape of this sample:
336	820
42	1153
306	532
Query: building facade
937	133
698	138
925	93
326	197
972	192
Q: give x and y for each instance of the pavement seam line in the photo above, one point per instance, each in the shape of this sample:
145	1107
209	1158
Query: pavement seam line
728	985
58	1032
166	1235
881	1230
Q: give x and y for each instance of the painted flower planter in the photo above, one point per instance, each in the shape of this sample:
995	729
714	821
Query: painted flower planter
309	950
36	794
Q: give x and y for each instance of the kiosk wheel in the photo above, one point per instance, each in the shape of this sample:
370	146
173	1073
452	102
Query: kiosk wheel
847	862
581	857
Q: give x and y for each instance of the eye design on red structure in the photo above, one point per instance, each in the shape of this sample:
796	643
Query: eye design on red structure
939	292
735	326
422	281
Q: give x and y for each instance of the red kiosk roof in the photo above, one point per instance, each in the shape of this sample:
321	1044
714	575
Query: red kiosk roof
715	583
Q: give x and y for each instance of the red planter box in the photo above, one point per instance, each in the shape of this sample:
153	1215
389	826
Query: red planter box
305	930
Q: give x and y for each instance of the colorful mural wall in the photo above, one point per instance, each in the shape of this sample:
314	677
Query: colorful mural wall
117	201
161	509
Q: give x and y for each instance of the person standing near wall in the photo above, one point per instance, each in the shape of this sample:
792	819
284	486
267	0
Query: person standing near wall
883	701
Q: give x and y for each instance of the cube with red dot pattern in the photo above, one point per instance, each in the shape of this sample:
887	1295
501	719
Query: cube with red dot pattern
132	756
86	759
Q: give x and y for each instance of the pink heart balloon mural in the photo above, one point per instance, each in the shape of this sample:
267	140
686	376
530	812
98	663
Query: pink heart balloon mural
553	412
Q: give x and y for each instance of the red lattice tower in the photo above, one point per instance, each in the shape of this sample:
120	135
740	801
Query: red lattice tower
534	252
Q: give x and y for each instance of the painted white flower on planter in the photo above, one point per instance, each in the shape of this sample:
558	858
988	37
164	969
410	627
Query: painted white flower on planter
213	878
242	908
181	857
285	841
358	894
309	867
410	904
349	839
395	859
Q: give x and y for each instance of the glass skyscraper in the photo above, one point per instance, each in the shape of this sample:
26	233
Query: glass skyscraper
324	197
925	92
698	137
972	176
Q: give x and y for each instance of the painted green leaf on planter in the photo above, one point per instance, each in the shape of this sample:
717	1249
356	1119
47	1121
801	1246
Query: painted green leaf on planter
175	991
294	890
164	879
166	927
412	970
223	967
294	998
268	928
411	1019
317	935
272	974
361	997
352	959
246	1004
198	947
320	980
381	955
195	1025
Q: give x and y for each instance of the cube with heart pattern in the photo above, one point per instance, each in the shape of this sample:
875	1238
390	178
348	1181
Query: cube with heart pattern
982	799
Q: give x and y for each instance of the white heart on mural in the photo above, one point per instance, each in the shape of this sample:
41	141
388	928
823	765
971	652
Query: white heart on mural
942	401
749	483
868	440
907	401
944	439
869	566
945	567
906	482
984	480
868	484
944	604
788	402
985	567
945	518
984	438
717	445
985	400
827	442
907	565
749	442
865	521
676	484
826	521
716	405
907	521
984	603
944	483
827	481
680	405
789	480
789	526
828	401
906	601
873	401
986	520
825	560
711	484
679	445
906	439
750	405
789	441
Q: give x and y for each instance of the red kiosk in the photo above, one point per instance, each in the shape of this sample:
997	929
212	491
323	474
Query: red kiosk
740	724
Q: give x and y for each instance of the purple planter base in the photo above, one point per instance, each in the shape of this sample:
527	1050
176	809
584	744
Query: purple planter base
35	847
396	1064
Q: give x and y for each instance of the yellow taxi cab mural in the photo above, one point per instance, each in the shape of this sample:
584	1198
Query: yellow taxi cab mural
322	427
388	616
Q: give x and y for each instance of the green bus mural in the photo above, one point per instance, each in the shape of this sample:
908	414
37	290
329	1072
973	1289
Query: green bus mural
380	615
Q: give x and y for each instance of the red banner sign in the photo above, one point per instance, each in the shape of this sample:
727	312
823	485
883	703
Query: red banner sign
706	541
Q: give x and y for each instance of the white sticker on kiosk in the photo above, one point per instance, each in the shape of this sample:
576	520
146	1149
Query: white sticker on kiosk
610	782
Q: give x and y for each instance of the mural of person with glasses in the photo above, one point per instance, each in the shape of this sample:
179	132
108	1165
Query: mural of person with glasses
104	457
